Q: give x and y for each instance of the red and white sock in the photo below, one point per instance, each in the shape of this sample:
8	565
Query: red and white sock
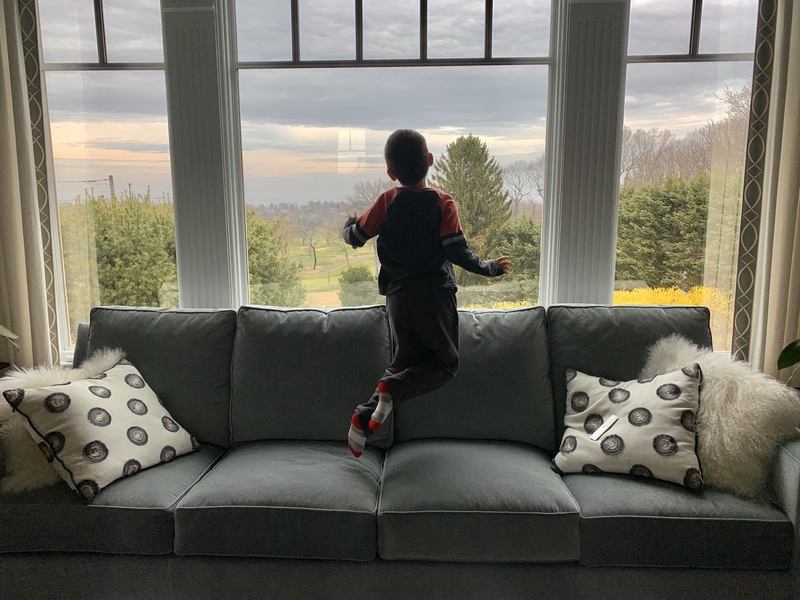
356	438
383	409
369	418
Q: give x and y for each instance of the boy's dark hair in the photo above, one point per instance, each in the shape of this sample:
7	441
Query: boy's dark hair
406	154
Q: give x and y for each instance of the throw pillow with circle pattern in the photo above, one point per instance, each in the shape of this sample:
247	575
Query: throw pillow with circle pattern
643	427
99	429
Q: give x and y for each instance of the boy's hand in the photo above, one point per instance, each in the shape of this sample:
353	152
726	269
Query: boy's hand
505	263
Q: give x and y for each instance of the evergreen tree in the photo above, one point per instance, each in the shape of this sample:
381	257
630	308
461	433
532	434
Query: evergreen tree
661	237
475	181
473	178
520	240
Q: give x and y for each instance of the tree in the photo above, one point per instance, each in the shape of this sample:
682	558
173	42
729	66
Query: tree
643	154
520	240
519	183
661	237
358	287
118	251
538	175
690	233
274	278
524	182
364	194
311	233
475	181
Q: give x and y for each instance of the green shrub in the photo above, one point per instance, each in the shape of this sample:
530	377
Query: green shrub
358	287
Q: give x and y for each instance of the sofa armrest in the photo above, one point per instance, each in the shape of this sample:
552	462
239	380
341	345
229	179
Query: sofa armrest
786	493
81	345
786	480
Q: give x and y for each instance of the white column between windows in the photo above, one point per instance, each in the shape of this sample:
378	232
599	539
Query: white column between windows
209	228
580	222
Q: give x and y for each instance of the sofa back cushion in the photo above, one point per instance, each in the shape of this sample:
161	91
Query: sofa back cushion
502	390
183	354
298	374
612	341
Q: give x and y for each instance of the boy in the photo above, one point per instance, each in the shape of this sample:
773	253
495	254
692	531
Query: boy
419	240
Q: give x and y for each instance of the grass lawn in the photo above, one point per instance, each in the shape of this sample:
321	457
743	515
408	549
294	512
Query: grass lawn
331	262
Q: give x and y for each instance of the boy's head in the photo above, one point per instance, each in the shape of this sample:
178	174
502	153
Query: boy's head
407	156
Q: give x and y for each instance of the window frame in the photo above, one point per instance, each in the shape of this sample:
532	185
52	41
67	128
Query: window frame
227	67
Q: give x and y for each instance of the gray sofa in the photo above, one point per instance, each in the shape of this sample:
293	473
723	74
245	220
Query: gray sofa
455	499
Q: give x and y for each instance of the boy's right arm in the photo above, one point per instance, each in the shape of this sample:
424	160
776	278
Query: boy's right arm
358	230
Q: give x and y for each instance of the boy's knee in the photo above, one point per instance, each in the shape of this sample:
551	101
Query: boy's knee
451	366
450	372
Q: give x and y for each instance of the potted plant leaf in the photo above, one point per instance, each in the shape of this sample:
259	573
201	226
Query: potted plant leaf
11	337
789	357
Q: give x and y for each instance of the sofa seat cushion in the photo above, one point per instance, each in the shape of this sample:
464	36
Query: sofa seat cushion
284	499
480	501
133	515
626	521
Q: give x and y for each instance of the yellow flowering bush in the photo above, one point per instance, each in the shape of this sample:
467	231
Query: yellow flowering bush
499	305
720	304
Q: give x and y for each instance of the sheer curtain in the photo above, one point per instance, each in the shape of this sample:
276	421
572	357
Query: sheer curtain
776	299
23	302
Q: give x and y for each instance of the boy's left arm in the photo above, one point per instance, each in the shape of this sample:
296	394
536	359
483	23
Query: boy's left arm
454	243
458	253
358	230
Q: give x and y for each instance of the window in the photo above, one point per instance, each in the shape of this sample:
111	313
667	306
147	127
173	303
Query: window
683	155
313	129
256	127
108	126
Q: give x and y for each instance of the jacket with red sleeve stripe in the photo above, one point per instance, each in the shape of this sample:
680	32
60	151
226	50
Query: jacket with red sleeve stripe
419	240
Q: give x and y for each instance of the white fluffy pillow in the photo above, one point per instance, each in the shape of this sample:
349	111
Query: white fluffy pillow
25	466
743	416
643	428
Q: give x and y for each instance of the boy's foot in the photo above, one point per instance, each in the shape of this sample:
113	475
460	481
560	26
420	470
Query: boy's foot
380	414
383	409
369	418
359	426
356	440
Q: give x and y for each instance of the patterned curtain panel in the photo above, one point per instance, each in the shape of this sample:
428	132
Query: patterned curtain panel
30	49
754	180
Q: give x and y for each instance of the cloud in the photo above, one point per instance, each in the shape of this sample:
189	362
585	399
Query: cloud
679	96
133	146
93	96
292	118
389	98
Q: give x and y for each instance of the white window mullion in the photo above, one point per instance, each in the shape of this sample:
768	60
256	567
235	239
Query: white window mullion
580	224
232	153
204	217
551	212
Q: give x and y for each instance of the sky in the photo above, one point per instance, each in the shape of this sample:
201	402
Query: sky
311	134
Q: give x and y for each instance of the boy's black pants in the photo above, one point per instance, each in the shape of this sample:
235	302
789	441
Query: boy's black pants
424	322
